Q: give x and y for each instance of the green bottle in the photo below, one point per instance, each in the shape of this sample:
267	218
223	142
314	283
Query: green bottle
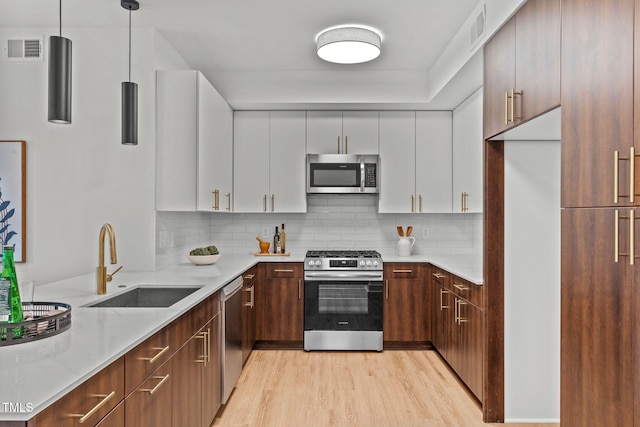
9	272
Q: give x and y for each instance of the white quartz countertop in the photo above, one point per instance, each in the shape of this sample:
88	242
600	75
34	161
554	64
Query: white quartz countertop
35	374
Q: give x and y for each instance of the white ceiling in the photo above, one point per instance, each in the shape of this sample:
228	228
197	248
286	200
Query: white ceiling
261	53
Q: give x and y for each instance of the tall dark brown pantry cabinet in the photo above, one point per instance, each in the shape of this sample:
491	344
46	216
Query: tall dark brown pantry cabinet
600	350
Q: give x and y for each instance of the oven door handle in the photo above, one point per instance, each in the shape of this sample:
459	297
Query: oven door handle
336	275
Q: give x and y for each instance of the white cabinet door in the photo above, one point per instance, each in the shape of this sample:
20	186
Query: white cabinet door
397	159
176	136
215	149
324	132
360	132
433	161
251	161
287	161
467	154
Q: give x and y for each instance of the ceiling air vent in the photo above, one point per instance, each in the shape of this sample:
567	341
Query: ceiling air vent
476	30
23	49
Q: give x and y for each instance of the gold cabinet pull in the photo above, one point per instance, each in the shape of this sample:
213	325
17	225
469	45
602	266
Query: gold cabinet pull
420	203
632	174
463	201
513	104
153	390
105	398
205	354
273	202
413	203
299	289
616	184
386	291
438	275
632	255
264	201
403	271
616	236
459	319
216	199
338	144
461	288
251	302
162	351
442	292
277	270
249	276
228	202
346	145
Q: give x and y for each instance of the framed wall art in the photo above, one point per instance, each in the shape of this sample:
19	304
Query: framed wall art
13	196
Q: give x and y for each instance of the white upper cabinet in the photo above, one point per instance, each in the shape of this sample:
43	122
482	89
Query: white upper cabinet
433	161
415	153
467	155
269	161
397	162
194	142
348	132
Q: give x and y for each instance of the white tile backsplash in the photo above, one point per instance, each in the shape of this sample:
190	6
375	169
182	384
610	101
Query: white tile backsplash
332	221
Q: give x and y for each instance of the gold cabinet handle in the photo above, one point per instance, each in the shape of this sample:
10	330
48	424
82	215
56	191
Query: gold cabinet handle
264	202
386	291
460	320
455	310
616	237
299	289
153	390
616	172
403	271
277	270
513	104
105	399
632	233
273	202
251	302
413	203
338	144
461	288
420	203
162	351
346	145
442	292
228	202
216	199
205	353
249	276
632	174
438	275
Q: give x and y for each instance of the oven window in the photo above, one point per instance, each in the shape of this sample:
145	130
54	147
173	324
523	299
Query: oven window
350	299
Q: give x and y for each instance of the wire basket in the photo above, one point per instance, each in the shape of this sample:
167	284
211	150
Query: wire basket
44	319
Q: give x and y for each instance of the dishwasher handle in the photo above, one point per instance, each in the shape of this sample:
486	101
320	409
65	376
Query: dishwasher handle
232	288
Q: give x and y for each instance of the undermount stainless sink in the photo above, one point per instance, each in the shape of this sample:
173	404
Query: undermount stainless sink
147	296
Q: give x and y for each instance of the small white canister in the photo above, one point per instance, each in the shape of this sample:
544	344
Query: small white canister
405	244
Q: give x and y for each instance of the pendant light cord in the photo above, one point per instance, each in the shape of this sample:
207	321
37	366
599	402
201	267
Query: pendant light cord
129	44
60	12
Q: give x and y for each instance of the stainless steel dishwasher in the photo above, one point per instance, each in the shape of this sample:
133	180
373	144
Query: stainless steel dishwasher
231	336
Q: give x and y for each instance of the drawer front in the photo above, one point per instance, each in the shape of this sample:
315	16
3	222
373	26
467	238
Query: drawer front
150	405
283	270
88	403
467	290
148	356
402	270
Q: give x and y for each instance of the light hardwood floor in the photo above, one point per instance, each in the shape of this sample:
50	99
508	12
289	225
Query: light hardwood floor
395	388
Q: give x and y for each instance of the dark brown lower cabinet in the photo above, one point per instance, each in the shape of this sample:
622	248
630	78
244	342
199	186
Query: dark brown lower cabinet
403	304
457	329
149	405
281	296
598	358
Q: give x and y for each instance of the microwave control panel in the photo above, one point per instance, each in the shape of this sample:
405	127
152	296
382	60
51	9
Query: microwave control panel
370	175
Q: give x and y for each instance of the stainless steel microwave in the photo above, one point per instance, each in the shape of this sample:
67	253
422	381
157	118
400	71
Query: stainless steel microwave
343	173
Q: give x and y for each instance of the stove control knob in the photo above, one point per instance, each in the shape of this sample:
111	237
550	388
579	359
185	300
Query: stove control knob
368	263
311	263
375	263
318	262
361	263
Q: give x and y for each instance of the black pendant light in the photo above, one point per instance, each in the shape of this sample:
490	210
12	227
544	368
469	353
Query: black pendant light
59	77
130	92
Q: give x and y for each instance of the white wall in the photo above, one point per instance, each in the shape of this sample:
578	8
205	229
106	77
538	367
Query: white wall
532	281
79	176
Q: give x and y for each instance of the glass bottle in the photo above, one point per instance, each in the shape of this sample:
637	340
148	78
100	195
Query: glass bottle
9	272
283	240
5	303
276	242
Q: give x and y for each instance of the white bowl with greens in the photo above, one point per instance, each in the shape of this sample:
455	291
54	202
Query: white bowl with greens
204	256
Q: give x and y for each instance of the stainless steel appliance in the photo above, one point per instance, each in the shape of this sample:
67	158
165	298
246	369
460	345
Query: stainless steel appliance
231	336
343	173
343	300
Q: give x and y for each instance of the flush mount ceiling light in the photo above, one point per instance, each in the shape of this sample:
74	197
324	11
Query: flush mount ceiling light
348	45
129	92
59	101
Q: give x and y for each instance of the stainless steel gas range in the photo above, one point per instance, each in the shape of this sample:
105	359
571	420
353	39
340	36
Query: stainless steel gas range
343	300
